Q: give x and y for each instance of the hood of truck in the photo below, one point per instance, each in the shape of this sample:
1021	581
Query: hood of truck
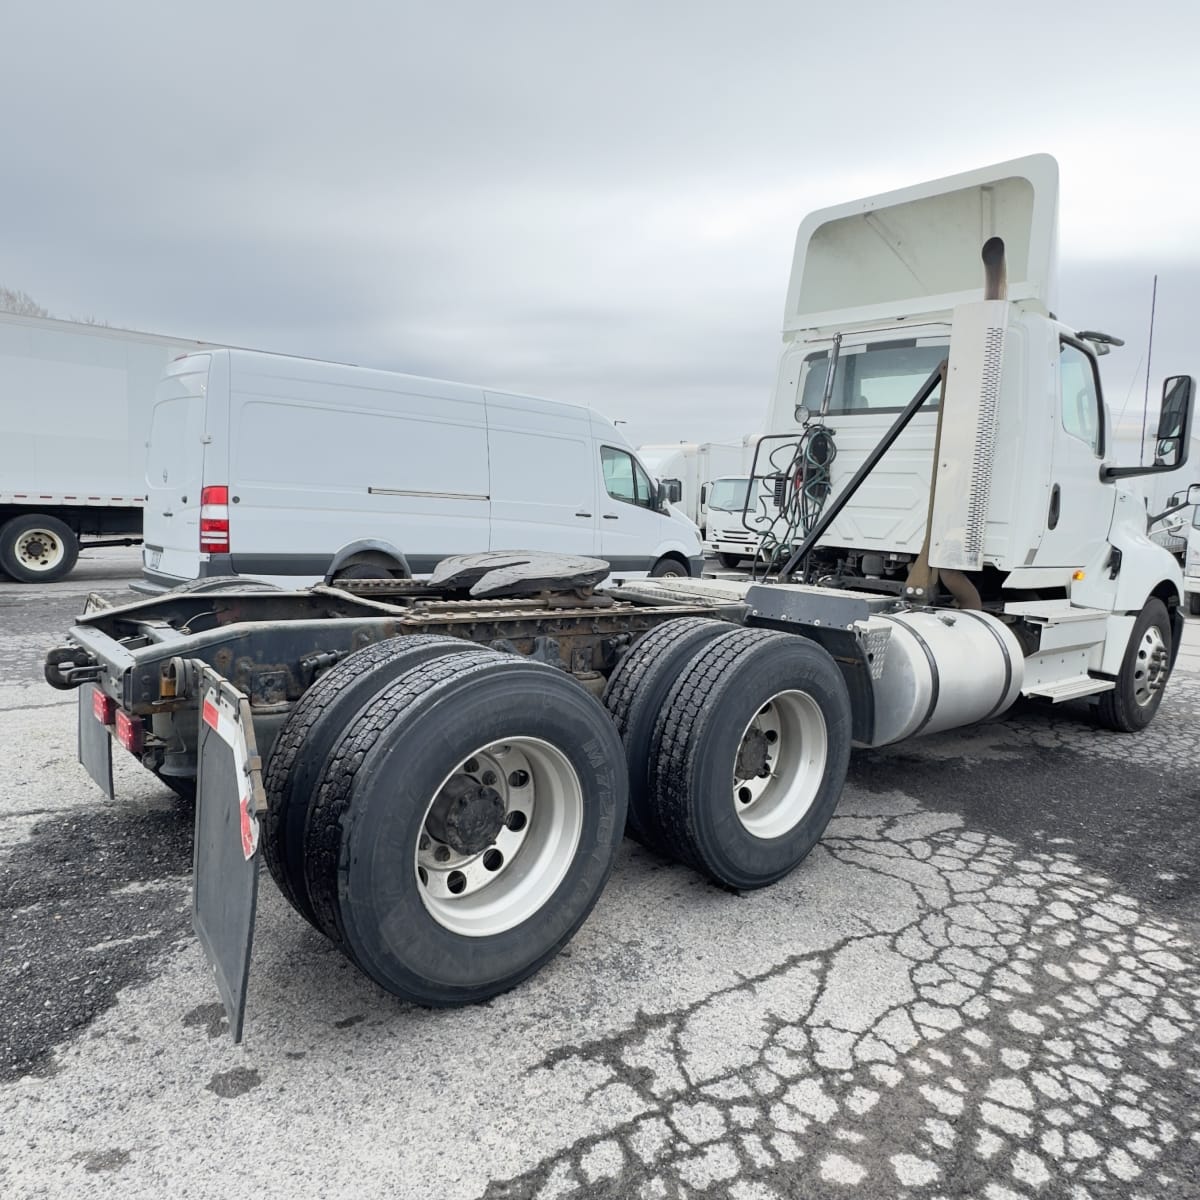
915	252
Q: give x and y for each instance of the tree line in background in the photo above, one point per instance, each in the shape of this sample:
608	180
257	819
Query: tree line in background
14	300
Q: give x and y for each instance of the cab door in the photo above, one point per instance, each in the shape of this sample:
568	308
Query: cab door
630	526
1080	505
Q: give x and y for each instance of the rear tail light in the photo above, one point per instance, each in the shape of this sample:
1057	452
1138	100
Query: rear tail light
104	708
214	520
129	732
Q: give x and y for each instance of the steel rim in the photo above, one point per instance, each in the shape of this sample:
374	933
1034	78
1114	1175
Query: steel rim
495	888
1150	666
780	764
40	550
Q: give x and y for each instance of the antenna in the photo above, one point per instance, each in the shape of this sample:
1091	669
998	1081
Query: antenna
1146	397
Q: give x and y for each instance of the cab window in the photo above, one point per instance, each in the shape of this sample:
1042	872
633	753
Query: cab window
624	478
1080	396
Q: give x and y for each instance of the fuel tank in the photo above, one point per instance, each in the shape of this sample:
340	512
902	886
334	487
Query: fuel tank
941	669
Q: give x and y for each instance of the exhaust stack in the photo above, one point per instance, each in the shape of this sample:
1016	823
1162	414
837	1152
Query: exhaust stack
995	275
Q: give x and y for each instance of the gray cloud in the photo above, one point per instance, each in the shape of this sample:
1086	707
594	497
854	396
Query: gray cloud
595	203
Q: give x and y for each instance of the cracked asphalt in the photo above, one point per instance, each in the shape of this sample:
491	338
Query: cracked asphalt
984	982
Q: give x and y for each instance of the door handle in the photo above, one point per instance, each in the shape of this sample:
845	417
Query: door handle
583	514
611	517
168	514
1055	506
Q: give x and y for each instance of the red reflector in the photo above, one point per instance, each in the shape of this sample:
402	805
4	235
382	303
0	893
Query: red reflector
212	715
103	708
129	732
214	520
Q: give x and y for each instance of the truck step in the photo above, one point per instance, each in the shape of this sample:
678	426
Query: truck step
1071	689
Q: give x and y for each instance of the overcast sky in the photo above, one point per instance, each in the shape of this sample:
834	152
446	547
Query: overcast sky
593	202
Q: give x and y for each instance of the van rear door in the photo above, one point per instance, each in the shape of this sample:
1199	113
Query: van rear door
175	470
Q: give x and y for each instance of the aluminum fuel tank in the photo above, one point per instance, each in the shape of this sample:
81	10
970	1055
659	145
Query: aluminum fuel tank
942	669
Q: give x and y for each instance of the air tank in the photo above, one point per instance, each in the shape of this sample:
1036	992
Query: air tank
941	669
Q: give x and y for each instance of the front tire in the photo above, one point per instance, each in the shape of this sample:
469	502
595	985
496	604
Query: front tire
752	749
37	548
669	568
1194	604
465	826
1145	669
730	561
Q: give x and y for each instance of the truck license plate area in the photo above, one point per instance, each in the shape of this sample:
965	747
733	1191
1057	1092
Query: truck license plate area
95	742
229	800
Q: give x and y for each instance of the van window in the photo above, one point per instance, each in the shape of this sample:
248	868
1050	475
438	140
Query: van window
1080	395
881	377
624	478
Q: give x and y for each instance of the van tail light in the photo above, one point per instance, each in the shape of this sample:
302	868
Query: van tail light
129	732
214	520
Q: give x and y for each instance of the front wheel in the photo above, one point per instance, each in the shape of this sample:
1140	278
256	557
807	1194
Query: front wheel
668	568
1194	603
729	561
465	826
1131	705
38	548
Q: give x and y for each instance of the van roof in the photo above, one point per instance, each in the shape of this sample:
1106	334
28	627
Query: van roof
914	252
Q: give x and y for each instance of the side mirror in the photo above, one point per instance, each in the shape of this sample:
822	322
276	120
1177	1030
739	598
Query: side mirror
1174	422
674	490
703	494
1172	438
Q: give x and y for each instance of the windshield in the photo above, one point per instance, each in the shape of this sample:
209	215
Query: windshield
881	377
729	495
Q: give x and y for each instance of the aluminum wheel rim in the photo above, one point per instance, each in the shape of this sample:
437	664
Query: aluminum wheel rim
40	550
480	895
1150	666
773	803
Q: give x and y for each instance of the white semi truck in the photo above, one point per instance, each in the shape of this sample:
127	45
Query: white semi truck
687	471
438	774
75	404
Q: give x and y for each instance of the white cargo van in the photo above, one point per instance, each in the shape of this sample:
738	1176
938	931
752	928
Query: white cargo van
291	470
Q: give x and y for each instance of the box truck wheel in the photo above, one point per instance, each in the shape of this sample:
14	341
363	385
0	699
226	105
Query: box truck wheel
634	694
729	561
37	548
752	748
1194	603
1131	705
465	826
310	732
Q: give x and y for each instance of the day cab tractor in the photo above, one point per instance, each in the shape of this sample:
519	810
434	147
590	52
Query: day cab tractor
438	774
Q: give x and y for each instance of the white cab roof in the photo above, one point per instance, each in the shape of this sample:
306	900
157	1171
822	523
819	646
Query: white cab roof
915	252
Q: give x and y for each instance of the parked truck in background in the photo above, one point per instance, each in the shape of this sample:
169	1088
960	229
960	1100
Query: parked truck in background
687	471
75	405
450	765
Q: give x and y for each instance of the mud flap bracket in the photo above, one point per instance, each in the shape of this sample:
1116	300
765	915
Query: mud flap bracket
229	805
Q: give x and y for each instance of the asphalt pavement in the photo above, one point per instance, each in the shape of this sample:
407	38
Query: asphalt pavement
984	982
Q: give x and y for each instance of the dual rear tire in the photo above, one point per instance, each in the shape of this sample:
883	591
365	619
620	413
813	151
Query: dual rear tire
447	815
737	741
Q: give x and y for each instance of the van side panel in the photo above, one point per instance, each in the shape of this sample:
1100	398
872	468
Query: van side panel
322	455
543	476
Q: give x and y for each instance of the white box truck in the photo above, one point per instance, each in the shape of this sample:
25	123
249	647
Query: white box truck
74	418
291	471
687	470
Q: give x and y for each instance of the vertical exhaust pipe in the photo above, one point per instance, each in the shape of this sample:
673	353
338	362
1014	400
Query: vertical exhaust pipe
995	274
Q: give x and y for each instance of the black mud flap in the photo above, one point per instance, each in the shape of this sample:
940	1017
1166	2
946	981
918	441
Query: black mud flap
229	804
95	741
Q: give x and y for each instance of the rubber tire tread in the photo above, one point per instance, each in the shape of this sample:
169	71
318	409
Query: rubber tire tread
635	693
330	812
730	561
364	673
11	529
1194	604
679	737
1118	710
